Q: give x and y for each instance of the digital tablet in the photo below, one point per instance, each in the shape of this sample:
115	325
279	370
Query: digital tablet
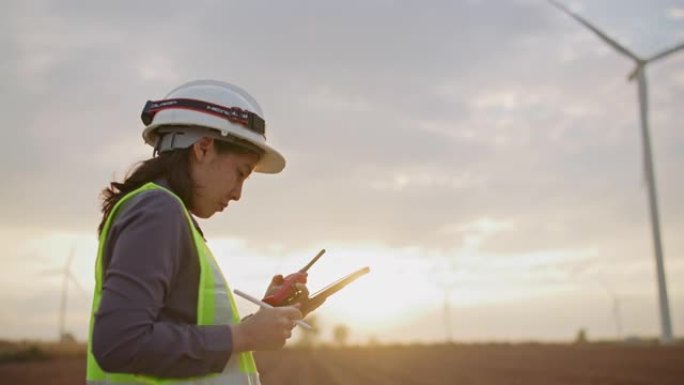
320	296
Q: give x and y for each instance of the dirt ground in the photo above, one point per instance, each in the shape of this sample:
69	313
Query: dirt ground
443	364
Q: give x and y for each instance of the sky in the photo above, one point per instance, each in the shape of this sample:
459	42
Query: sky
483	158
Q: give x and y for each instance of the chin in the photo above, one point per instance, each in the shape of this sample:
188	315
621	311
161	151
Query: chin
203	214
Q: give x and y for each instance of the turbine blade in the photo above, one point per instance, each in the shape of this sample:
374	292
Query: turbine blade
70	258
667	52
642	87
598	32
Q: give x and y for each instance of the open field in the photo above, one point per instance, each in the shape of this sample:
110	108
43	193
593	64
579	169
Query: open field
528	364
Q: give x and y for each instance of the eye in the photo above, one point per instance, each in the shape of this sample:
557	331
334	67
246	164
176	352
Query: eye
243	174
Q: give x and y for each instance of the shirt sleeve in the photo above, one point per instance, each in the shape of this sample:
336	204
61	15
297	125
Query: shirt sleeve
146	245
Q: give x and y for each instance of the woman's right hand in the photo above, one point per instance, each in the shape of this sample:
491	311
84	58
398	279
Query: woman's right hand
266	329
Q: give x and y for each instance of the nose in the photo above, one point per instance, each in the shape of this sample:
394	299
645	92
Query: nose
237	192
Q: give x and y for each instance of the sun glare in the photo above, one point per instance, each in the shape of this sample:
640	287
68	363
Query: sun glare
395	291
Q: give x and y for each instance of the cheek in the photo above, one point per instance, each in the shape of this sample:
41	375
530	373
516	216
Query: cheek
225	179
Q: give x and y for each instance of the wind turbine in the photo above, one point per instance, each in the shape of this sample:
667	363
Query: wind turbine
639	73
617	314
67	275
445	280
446	309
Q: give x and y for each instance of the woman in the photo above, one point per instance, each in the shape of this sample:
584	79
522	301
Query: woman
162	311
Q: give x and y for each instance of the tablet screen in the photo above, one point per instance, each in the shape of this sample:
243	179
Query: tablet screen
320	296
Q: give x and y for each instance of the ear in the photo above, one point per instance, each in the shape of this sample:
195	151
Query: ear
202	148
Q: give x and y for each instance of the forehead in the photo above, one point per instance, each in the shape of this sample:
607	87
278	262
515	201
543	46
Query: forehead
249	160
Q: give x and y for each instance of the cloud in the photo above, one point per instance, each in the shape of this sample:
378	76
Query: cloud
403	124
675	13
392	117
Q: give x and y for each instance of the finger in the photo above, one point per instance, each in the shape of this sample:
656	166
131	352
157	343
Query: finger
292	312
286	323
277	279
301	297
302	289
298	300
302	294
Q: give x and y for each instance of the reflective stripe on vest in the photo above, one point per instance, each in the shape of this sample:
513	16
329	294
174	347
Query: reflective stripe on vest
215	306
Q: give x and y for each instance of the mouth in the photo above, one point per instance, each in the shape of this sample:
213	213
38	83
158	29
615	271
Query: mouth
223	205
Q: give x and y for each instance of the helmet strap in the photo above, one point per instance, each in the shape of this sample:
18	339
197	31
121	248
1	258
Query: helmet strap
248	119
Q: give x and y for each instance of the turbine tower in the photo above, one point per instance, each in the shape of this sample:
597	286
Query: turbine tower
67	275
445	279
617	314
63	300
640	74
446	309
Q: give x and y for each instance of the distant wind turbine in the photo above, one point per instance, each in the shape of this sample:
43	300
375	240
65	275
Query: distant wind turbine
67	275
617	314
445	280
447	312
640	73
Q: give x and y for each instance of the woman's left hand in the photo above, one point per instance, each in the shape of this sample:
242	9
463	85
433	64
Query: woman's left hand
299	293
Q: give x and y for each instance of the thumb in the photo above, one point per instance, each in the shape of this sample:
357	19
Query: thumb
277	280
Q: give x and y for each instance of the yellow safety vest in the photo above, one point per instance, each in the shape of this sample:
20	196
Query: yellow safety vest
215	306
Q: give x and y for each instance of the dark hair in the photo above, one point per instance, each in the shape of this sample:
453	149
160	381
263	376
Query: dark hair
172	166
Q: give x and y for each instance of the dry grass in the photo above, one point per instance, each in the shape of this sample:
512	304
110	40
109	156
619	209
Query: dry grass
20	351
477	364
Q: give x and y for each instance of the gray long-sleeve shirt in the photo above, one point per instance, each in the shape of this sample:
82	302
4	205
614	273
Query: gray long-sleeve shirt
146	323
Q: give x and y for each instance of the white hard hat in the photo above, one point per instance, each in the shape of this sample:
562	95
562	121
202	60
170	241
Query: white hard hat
209	108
